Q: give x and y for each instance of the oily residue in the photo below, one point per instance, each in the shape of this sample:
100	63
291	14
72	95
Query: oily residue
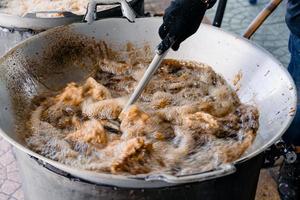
292	111
236	80
267	73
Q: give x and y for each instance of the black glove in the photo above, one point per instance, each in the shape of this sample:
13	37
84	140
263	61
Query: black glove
181	20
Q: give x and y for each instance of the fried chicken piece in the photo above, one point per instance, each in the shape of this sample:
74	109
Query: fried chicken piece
224	101
178	85
91	132
117	68
59	110
95	90
174	114
71	95
200	122
136	123
133	157
106	109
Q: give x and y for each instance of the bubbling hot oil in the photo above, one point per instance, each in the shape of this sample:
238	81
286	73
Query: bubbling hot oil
188	120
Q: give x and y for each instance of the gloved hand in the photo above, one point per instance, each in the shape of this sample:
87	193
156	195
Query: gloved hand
181	20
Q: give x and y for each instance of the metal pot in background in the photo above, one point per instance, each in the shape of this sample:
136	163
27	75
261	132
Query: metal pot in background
14	29
10	37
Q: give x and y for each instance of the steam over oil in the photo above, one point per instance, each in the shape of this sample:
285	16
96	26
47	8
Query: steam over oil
188	120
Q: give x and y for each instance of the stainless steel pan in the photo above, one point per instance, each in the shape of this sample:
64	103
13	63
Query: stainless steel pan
51	59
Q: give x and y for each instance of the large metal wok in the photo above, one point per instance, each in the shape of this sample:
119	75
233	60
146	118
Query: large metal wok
51	59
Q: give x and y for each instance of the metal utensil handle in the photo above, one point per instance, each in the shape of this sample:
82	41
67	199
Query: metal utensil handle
220	13
225	169
260	18
91	13
160	53
64	13
146	78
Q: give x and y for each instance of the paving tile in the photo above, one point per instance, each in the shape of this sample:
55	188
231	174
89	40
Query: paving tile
1	182
19	194
12	167
238	16
14	176
3	196
4	146
9	187
3	173
7	158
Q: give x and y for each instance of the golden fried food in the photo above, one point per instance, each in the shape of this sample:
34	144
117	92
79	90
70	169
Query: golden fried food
188	120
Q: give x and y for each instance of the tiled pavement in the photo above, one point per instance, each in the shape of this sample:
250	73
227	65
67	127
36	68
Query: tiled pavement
10	184
273	36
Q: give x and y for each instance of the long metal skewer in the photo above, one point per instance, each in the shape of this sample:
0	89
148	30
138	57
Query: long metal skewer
146	78
161	52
